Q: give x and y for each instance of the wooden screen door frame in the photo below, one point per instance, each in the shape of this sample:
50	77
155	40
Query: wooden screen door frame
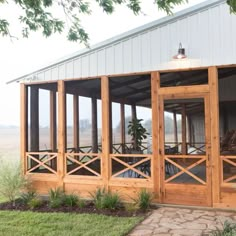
185	194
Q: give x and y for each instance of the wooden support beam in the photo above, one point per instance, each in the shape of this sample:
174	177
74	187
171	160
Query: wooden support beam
215	133
53	121
110	126
94	126
34	119
23	126
53	126
61	132
190	132
175	128
155	164
106	162
133	111
122	126
76	122
184	129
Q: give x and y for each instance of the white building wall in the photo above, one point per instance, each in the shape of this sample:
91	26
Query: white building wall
208	35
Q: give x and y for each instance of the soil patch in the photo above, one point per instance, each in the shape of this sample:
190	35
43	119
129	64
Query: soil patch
88	208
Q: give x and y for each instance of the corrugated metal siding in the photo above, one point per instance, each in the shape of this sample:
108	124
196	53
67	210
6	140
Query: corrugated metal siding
208	36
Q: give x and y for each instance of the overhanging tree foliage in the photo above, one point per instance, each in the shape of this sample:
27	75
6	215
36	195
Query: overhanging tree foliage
37	15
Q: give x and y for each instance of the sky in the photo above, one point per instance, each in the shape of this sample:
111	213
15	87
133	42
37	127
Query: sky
22	56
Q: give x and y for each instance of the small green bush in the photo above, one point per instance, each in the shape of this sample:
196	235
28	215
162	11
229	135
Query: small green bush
71	200
56	203
105	200
56	197
110	201
81	203
229	229
26	197
144	199
34	203
97	197
12	182
130	207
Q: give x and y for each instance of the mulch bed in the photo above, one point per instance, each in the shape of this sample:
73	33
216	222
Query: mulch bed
88	208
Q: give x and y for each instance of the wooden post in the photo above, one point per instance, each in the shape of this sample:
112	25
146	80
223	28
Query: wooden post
53	121
34	119
110	126
53	126
134	112
190	133
155	165
122	126
175	129
105	170
215	140
23	126
184	126
61	131
94	125
76	122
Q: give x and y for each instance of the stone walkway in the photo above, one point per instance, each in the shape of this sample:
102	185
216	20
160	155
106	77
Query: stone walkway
167	221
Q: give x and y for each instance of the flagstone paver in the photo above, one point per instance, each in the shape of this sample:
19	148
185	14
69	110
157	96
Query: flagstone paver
171	221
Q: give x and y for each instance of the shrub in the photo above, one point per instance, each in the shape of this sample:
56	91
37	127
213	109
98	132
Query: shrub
81	203
103	199
144	199
11	181
56	197
130	207
71	200
97	197
26	197
34	203
110	200
229	229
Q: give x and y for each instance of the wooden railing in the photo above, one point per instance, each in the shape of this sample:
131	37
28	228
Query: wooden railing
192	148
41	162
183	164
83	164
228	169
131	166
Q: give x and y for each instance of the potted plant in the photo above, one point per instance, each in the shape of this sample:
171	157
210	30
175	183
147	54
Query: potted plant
138	133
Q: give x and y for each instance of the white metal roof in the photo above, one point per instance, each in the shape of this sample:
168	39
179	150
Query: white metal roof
85	58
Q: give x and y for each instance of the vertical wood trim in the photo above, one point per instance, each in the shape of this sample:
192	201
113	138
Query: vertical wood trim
53	121
110	125
161	147
34	119
122	126
24	125
76	122
184	126
175	128
94	125
61	131
155	165
215	140
208	149
105	168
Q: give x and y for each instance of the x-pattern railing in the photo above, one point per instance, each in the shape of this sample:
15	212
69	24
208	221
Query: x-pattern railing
81	162
131	165
186	170
42	159
228	160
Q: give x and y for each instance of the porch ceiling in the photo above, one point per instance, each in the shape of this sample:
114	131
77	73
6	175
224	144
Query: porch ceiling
136	89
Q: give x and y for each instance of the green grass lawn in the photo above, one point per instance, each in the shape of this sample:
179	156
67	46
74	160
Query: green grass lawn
50	224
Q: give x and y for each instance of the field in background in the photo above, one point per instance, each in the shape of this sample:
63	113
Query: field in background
10	143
